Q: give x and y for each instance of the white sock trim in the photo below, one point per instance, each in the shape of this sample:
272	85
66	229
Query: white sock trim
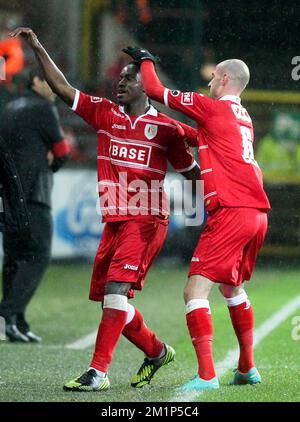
236	300
196	304
131	313
118	302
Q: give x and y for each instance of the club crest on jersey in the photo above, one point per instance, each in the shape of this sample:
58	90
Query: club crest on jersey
187	98
150	131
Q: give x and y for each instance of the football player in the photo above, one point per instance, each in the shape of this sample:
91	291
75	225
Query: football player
135	142
237	210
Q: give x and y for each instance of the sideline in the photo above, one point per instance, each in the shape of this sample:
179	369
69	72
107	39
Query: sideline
83	342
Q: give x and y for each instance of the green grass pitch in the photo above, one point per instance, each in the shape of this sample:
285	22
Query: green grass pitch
61	314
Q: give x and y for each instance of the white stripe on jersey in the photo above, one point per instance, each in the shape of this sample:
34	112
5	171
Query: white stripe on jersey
136	141
155	122
132	165
210	194
203	147
188	168
108	183
206	171
112	207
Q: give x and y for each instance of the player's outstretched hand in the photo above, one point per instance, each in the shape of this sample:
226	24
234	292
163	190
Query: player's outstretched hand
139	54
28	35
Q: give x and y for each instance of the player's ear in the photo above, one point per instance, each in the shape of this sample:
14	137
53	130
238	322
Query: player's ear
225	79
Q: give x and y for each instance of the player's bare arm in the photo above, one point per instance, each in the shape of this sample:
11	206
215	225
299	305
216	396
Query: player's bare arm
53	75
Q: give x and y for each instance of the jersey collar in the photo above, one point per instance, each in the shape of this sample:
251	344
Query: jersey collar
232	98
151	112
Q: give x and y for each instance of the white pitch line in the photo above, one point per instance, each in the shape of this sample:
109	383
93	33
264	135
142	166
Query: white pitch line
232	356
83	342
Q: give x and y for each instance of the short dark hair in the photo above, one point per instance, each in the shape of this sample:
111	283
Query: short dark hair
35	72
136	64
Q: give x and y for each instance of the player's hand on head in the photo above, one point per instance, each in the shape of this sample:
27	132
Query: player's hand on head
27	34
140	54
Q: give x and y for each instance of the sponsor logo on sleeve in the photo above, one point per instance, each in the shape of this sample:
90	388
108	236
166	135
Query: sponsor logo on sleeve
187	98
96	100
119	127
175	93
150	131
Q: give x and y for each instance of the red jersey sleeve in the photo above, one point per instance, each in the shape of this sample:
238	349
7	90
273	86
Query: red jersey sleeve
197	106
92	109
194	105
189	134
179	153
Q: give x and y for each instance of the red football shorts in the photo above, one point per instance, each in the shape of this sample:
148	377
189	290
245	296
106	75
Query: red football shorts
126	252
229	245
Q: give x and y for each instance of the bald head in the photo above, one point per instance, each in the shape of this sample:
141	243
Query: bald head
237	71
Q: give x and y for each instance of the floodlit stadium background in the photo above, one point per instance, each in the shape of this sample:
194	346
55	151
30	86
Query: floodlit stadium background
85	38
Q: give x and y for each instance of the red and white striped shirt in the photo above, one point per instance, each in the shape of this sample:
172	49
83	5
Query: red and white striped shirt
133	152
231	175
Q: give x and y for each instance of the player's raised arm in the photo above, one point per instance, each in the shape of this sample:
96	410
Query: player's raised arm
152	85
53	75
192	104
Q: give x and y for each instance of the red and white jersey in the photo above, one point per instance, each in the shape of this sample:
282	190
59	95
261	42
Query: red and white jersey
232	177
133	152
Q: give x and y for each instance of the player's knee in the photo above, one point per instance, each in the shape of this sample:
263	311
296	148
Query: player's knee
187	292
222	289
185	295
117	288
230	291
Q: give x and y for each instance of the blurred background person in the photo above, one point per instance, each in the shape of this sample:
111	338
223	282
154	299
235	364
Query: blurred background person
13	211
31	129
11	50
12	60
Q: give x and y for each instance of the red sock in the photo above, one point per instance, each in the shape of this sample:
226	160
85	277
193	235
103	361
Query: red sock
139	334
242	318
201	331
109	332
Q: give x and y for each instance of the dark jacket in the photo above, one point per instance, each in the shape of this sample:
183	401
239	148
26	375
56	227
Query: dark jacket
13	211
30	127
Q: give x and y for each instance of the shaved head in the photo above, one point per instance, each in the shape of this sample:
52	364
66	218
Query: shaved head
237	71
